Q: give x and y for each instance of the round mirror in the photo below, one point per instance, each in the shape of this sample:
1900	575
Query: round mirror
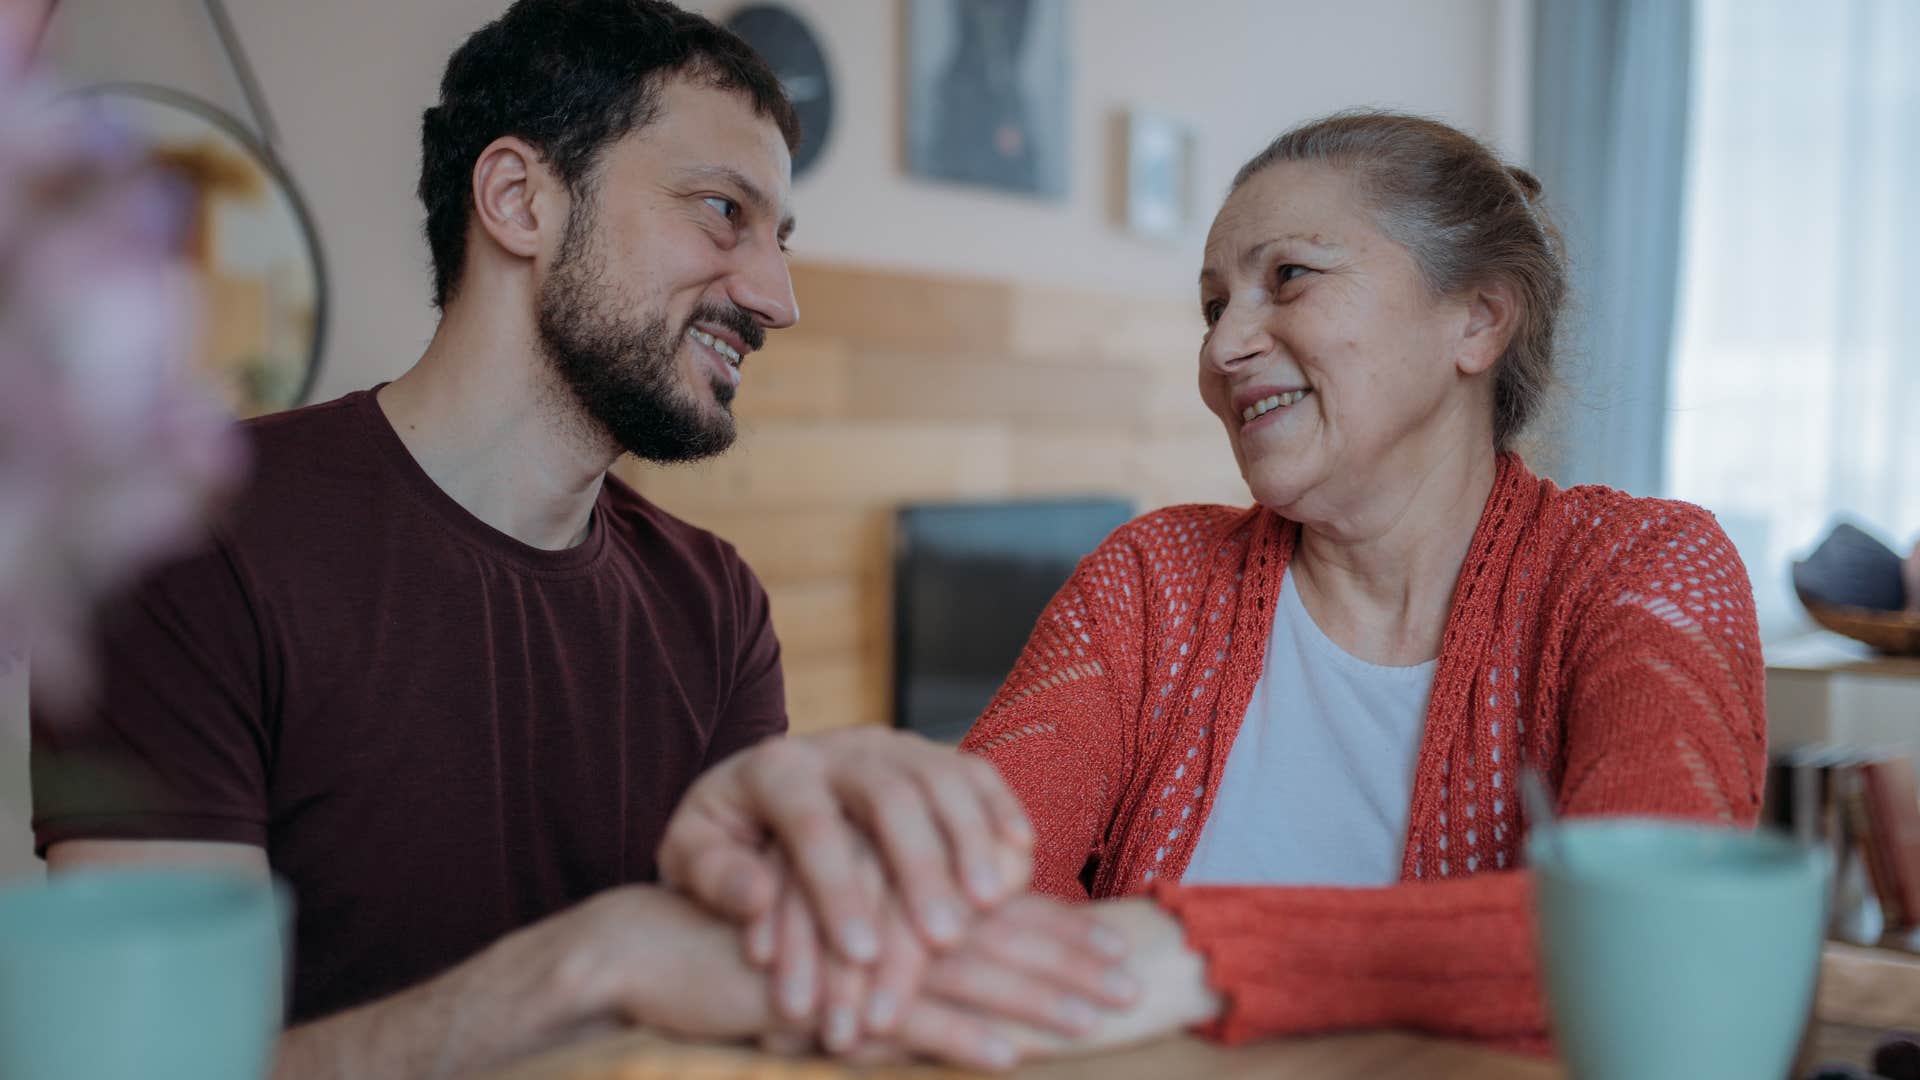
250	240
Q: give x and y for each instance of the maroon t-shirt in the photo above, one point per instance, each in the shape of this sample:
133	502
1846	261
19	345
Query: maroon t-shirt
437	733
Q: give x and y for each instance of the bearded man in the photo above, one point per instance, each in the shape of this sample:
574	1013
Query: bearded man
448	678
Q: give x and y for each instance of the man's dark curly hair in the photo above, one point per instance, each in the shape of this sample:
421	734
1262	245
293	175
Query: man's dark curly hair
569	77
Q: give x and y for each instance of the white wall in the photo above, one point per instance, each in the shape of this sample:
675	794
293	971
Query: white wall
347	80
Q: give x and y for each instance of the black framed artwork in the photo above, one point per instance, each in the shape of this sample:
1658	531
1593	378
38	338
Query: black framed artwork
987	88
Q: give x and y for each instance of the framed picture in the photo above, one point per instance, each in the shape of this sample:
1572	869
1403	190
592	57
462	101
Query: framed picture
1158	189
987	93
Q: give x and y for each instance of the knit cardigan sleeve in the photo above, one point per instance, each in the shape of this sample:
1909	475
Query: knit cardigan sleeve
1659	713
1061	728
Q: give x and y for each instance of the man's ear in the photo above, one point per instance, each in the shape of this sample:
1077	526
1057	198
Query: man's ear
508	180
1493	313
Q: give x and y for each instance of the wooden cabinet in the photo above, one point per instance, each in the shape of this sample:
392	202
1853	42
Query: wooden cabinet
1825	688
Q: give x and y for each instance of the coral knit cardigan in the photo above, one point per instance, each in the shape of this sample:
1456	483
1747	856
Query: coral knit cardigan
1611	640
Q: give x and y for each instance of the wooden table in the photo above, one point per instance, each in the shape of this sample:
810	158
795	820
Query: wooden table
649	1057
1862	992
1824	688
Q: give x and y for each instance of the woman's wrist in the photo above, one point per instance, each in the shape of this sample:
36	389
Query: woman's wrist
1172	975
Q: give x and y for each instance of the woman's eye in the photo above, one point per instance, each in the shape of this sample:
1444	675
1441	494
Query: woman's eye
1287	272
727	207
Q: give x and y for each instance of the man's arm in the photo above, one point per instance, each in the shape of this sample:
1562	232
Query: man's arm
80	854
639	955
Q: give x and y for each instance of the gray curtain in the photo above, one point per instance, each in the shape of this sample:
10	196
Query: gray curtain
1609	145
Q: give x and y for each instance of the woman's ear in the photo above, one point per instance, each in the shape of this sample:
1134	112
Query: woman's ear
1493	312
507	178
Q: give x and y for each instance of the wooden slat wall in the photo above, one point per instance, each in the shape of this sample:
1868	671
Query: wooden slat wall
900	387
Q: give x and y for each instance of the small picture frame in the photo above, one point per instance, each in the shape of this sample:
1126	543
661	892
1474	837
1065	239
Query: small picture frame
1157	192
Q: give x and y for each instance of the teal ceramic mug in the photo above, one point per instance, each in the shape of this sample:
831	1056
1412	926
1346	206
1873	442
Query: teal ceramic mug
142	975
1677	950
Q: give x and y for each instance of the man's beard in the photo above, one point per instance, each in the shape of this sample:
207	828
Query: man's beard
624	372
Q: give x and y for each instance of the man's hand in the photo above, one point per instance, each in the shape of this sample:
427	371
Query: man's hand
649	957
944	823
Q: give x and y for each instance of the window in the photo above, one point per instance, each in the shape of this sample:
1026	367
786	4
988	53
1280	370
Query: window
1796	373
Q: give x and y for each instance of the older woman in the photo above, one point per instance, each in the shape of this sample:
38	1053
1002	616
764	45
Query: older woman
1281	746
1297	730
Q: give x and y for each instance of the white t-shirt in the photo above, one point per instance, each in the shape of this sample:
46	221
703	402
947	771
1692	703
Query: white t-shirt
1318	785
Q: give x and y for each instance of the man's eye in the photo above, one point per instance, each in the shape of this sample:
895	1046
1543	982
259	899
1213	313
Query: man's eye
727	207
1212	310
1288	271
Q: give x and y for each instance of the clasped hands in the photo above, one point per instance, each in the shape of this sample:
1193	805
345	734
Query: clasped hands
877	887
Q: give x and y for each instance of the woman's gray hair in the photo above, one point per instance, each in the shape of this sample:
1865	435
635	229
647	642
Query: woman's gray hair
1467	219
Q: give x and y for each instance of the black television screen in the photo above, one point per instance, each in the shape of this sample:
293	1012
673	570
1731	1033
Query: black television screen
970	580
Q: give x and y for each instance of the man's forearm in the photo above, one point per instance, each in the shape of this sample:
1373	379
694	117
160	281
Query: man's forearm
507	1001
636	955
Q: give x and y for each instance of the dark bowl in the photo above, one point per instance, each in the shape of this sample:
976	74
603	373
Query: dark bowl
1851	568
1851	584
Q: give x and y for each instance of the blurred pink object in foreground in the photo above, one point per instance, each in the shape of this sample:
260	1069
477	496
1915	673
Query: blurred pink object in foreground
110	450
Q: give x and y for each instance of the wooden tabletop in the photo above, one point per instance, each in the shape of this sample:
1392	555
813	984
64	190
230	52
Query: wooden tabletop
650	1057
1826	652
1863	992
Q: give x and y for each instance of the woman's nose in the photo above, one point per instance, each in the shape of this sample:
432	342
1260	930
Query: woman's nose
1234	341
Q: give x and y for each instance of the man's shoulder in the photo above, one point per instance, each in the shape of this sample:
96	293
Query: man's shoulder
292	450
314	472
296	430
655	533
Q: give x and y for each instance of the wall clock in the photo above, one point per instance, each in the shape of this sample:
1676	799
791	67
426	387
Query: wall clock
793	53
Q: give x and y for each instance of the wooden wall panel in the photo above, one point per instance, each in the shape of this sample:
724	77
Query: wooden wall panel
1102	328
840	692
794	378
902	388
823	619
1055	461
808	466
1190	465
787	547
905	311
894	386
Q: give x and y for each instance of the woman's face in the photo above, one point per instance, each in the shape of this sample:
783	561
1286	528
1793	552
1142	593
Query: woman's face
1334	370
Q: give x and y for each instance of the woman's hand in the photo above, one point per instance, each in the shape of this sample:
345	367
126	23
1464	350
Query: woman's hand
1032	962
1168	980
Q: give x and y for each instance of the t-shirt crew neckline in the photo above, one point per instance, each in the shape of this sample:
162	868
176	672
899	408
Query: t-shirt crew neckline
461	521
